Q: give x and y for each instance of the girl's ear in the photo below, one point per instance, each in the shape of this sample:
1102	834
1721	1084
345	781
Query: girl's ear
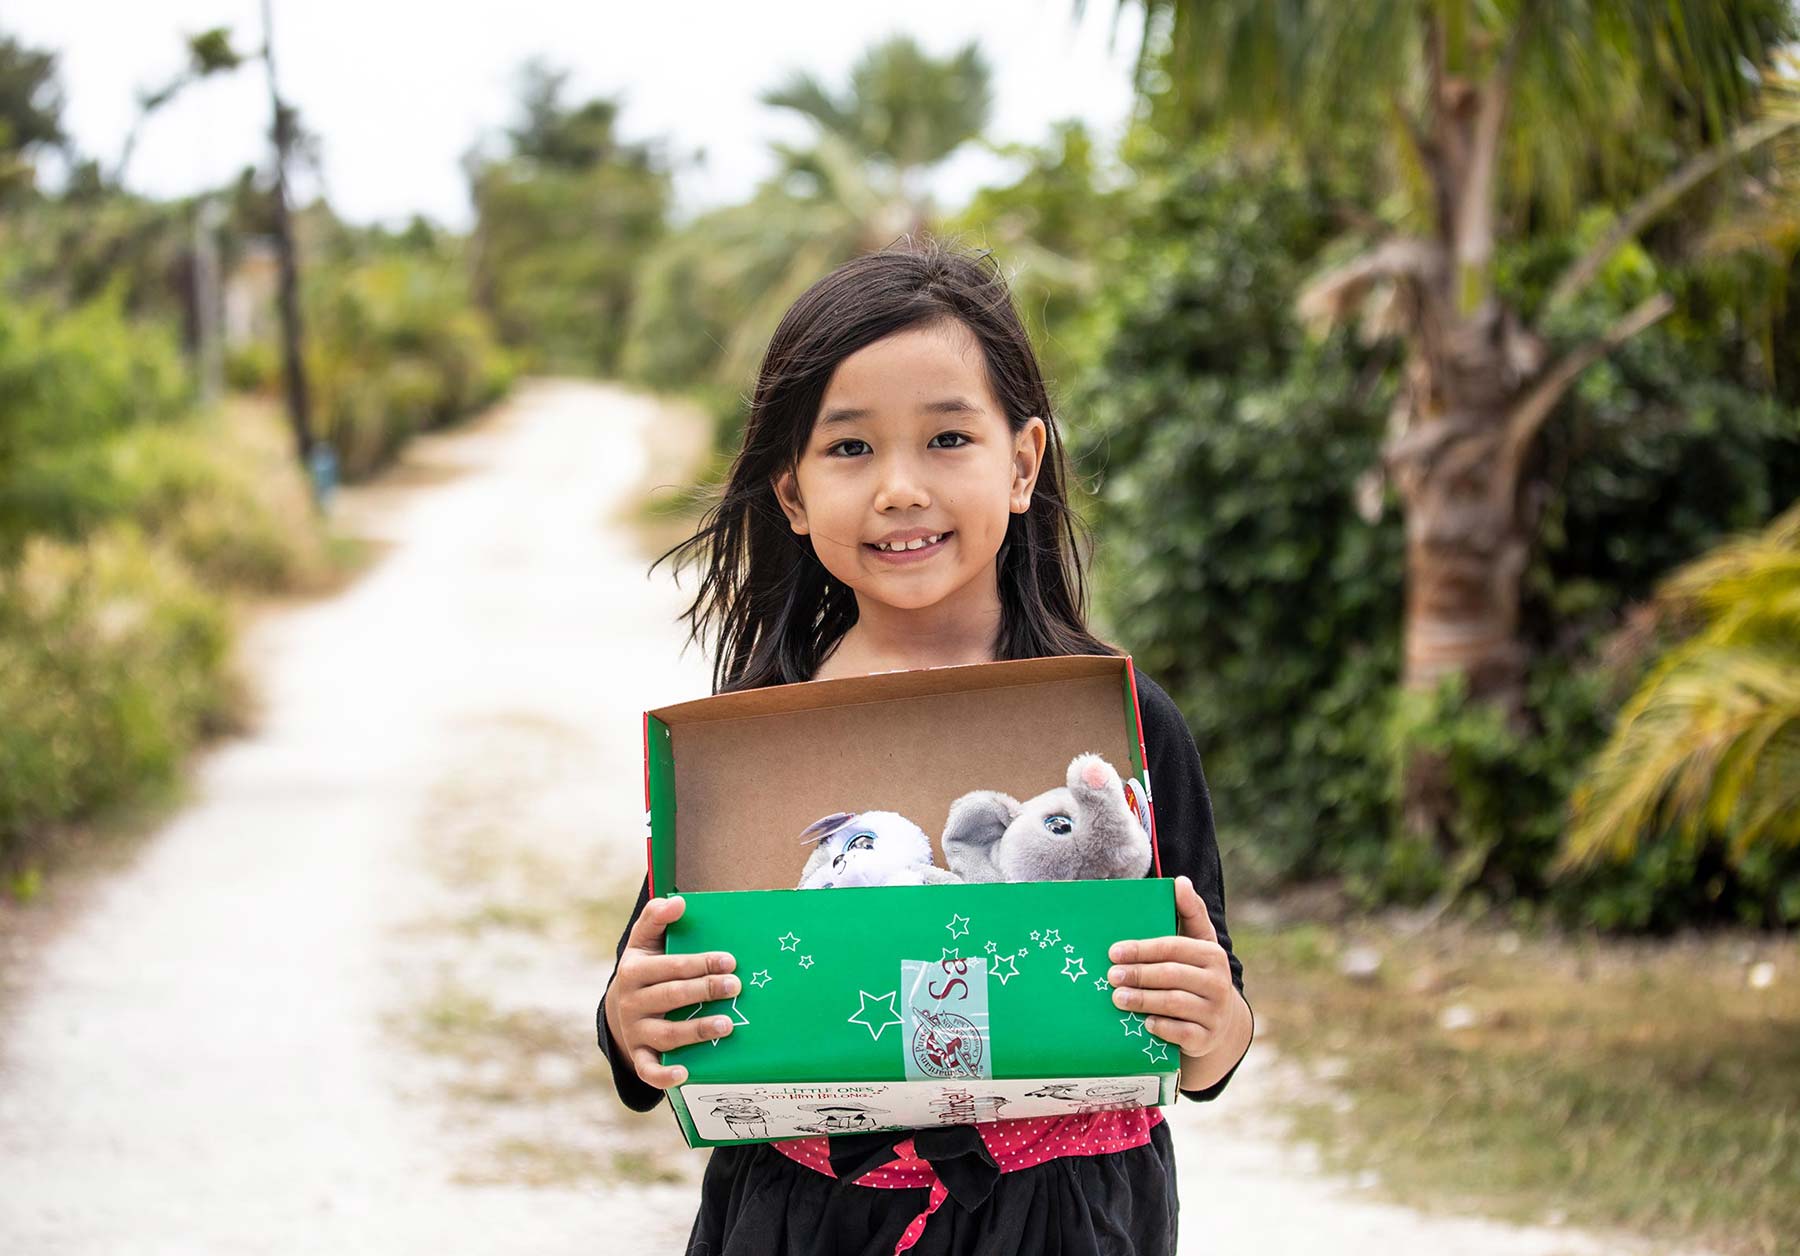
1028	458
787	494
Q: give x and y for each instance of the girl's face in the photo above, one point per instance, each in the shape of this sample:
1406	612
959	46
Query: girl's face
911	448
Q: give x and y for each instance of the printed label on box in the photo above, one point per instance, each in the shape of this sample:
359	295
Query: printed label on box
946	1018
1137	797
735	1112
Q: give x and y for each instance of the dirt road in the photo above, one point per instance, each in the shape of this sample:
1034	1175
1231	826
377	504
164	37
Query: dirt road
343	1001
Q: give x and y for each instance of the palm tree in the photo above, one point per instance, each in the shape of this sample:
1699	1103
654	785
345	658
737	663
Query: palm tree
1496	111
1711	740
857	186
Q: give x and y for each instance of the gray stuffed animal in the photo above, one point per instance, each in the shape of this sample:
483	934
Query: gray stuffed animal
1085	830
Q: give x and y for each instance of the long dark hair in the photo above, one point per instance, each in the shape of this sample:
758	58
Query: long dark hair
773	607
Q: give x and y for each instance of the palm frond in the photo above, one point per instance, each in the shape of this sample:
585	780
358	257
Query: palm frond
1710	743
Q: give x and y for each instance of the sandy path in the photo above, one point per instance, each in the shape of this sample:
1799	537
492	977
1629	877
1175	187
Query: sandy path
343	1001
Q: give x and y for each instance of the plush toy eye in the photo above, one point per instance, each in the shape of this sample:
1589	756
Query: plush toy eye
1060	825
862	841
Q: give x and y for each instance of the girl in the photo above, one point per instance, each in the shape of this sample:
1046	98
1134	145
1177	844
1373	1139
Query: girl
898	503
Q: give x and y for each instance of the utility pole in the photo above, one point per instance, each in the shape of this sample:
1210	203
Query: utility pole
315	457
208	215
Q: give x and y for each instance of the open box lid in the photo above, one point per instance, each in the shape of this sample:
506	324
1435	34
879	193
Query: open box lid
752	769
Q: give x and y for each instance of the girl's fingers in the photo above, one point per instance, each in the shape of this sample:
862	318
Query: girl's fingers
645	971
654	1072
654	921
666	996
1167	975
1178	1004
1191	1038
1194	920
1175	947
666	1035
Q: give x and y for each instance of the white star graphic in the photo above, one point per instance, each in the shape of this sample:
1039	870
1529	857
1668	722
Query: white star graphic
1157	1051
1006	968
1134	1025
788	941
954	920
806	961
992	947
1053	937
737	1018
885	1002
1100	983
1021	950
1080	969
949	954
1068	948
761	978
1035	935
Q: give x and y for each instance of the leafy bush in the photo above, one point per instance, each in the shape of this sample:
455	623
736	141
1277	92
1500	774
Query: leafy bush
68	382
1243	563
393	347
222	492
112	665
1231	556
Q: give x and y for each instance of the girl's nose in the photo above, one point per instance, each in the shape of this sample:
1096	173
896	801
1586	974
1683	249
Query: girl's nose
902	486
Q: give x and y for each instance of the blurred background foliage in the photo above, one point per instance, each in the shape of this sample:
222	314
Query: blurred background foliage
1232	456
1331	236
138	512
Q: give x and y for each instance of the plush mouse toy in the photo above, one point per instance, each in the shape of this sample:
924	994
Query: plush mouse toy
869	848
1085	830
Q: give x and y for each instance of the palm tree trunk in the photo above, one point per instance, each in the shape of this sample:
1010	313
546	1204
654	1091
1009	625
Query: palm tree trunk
1467	547
1465	556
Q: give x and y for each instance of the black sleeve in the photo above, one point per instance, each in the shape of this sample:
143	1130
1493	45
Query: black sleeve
637	1094
1185	841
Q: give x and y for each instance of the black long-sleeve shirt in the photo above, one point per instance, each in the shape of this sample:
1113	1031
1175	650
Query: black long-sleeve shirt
1186	845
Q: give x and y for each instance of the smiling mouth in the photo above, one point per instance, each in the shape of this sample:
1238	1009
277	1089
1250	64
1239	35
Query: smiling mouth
924	545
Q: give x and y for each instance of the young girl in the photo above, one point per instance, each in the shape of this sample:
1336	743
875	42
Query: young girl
898	503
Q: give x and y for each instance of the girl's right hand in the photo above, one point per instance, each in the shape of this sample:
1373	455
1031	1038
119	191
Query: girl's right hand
649	982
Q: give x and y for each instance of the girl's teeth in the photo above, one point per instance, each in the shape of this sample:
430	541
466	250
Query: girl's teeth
918	543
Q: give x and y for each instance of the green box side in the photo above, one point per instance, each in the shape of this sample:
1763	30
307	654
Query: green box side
684	1118
808	958
1134	733
659	786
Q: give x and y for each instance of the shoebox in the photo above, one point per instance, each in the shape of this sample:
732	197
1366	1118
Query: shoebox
898	1007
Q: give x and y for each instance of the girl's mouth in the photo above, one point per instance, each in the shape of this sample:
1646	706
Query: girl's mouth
901	557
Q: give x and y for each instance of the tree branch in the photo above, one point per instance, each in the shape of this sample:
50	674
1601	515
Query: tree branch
1331	296
1530	414
1475	202
1694	170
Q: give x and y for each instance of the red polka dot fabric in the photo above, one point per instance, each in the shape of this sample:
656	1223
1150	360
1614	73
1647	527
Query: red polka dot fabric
1014	1144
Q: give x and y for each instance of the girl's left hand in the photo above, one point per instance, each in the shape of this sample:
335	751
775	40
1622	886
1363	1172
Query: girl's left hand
1181	983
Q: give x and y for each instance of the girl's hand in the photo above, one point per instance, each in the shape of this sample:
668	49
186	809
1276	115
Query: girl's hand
649	982
1182	983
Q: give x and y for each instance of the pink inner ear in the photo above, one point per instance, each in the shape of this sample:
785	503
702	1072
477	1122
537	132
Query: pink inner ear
1094	776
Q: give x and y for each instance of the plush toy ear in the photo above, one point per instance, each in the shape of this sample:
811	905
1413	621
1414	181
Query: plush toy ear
980	817
825	826
973	830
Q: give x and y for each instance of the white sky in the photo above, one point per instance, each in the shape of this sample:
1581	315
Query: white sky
399	89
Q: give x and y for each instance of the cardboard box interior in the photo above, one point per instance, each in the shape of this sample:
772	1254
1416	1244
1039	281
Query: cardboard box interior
752	770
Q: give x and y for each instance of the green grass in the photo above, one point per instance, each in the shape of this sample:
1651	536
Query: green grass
1621	1084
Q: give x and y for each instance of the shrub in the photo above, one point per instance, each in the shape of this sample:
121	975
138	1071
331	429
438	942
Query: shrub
112	665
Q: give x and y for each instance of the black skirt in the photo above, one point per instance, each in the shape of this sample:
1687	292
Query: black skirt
754	1201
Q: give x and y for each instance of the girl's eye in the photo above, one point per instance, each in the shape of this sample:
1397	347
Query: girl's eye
836	450
1062	826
